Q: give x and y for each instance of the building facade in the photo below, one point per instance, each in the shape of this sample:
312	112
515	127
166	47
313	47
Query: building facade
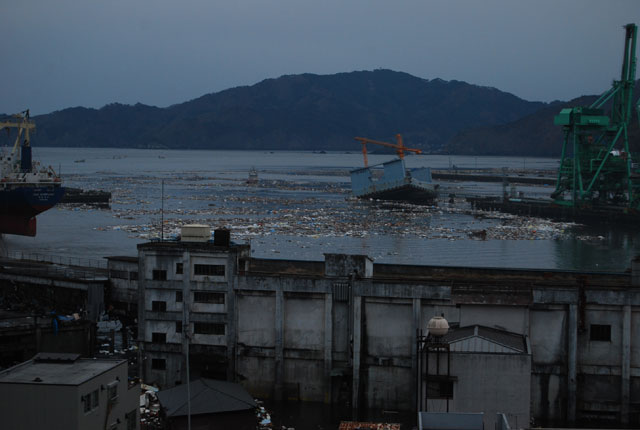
344	330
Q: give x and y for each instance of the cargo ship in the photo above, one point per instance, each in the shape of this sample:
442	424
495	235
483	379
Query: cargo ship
26	188
397	183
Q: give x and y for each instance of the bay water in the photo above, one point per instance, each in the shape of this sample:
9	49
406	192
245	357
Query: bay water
302	209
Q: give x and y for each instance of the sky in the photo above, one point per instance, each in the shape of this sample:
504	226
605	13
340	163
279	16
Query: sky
66	53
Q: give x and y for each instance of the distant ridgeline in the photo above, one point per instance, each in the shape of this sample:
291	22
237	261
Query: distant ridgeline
320	112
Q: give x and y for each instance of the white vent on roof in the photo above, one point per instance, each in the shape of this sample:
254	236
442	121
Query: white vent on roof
195	233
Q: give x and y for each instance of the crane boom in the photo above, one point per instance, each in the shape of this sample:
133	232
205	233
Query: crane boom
597	167
399	147
23	124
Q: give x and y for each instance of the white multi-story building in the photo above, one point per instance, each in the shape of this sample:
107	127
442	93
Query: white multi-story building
63	391
344	331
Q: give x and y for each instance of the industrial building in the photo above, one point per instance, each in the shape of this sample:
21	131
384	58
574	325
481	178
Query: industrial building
68	393
345	330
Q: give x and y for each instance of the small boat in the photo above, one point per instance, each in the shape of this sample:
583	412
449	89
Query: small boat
253	176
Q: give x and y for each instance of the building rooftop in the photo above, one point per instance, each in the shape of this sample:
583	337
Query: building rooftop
177	244
57	369
208	396
478	338
123	258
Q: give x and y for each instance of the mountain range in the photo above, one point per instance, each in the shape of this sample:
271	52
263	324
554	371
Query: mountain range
323	112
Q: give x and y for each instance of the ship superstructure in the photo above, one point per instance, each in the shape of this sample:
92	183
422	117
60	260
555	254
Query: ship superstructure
26	188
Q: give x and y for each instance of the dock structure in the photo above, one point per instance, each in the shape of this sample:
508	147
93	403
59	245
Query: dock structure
548	209
346	331
63	287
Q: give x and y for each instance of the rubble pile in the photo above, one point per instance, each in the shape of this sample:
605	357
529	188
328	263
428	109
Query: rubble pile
150	417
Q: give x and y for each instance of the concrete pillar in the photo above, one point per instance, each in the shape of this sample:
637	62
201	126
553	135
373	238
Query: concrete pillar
186	315
232	283
572	362
626	364
328	345
357	340
635	272
142	282
38	333
279	346
415	326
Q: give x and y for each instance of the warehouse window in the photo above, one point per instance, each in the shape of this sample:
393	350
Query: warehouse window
208	328
133	276
159	275
209	269
158	306
208	297
95	399
178	296
440	389
178	268
158	363
178	326
159	337
86	403
112	390
118	274
600	332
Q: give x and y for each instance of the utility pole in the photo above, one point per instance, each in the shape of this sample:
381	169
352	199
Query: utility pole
162	213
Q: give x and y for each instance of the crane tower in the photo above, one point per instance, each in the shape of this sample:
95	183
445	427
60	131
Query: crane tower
597	168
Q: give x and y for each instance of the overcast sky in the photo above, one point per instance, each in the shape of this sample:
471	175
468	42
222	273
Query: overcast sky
63	53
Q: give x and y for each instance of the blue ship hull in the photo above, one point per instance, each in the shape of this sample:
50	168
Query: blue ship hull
20	203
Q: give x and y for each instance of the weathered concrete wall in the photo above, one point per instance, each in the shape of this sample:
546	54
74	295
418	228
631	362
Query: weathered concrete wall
303	323
492	383
512	318
601	353
123	275
257	374
635	344
389	329
57	404
389	387
292	333
548	396
259	329
303	379
547	335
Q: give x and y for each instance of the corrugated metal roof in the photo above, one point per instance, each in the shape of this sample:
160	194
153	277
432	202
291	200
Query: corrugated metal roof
208	396
485	339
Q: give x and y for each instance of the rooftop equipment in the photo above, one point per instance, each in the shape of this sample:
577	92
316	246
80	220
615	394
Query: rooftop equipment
438	326
195	233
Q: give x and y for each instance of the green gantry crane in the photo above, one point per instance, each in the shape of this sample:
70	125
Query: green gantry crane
601	170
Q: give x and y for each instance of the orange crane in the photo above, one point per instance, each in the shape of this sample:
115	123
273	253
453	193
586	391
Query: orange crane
400	148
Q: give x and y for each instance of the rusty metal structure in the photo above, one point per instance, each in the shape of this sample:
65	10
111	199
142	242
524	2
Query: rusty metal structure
399	147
